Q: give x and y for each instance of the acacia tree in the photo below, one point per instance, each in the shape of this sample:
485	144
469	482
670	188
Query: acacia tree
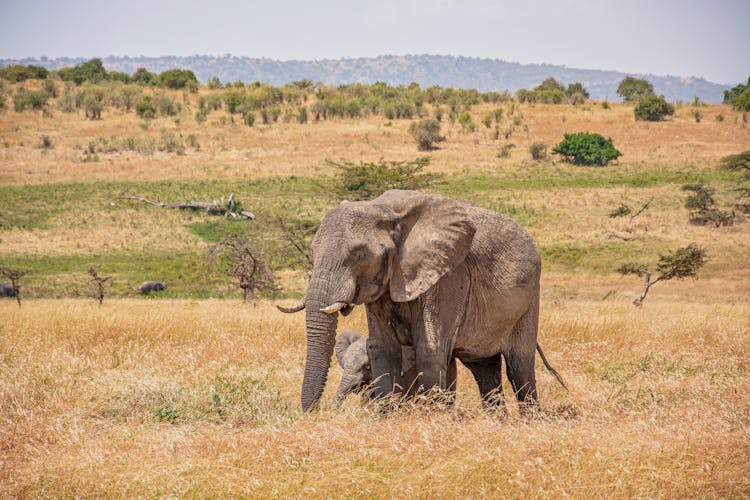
683	263
247	265
632	89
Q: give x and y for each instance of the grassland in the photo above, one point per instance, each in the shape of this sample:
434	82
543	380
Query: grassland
193	394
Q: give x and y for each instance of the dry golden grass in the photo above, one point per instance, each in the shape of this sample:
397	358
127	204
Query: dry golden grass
201	398
657	407
231	150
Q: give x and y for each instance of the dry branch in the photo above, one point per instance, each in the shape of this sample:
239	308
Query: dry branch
215	208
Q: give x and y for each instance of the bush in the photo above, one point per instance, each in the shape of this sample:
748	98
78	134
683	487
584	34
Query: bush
632	89
587	149
538	151
165	105
697	115
365	181
34	99
249	118
18	73
738	97
145	107
426	132
467	124
171	143
703	209
653	108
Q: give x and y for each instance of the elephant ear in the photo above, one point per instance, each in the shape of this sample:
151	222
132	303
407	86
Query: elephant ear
433	236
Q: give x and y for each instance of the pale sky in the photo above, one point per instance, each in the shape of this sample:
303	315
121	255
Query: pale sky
709	39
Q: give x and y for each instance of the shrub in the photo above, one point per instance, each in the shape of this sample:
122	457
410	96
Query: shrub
605	104
703	209
249	118
365	181
735	92
505	150
19	73
145	107
653	108
467	124
171	143
587	149
165	104
538	151
426	132
34	99
302	115
632	89
201	115
697	115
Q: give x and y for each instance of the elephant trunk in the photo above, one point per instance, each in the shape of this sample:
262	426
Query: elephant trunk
349	383
321	336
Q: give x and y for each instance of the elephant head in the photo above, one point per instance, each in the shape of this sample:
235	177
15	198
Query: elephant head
400	244
351	352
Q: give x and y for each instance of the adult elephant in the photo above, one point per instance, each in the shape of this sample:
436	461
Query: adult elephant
441	278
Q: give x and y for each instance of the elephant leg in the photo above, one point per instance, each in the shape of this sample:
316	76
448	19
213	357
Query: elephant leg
520	356
488	374
441	315
386	368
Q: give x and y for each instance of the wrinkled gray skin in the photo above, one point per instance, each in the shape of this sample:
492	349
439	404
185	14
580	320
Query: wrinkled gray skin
151	286
7	290
351	352
441	277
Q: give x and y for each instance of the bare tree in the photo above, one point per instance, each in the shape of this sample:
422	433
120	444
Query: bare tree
98	282
624	210
14	275
683	263
247	265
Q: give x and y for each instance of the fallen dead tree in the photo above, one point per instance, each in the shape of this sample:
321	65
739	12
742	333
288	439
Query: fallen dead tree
229	208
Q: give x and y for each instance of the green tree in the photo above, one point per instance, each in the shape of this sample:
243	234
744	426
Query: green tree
576	88
550	84
144	77
587	149
739	97
652	108
91	71
631	89
177	79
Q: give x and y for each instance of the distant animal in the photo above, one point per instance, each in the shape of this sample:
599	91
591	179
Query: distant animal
151	286
7	290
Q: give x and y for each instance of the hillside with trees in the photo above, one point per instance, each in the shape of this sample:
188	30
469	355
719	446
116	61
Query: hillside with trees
427	70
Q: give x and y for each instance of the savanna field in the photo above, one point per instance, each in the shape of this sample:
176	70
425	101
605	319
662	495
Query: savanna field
193	393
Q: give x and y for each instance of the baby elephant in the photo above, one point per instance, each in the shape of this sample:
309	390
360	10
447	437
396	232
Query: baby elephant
7	290
351	351
151	286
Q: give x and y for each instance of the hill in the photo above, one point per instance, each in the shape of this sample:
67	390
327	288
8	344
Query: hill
446	71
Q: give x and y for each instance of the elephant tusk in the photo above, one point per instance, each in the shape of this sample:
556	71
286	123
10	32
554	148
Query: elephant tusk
291	309
334	308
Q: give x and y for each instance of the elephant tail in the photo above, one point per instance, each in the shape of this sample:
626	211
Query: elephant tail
549	367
